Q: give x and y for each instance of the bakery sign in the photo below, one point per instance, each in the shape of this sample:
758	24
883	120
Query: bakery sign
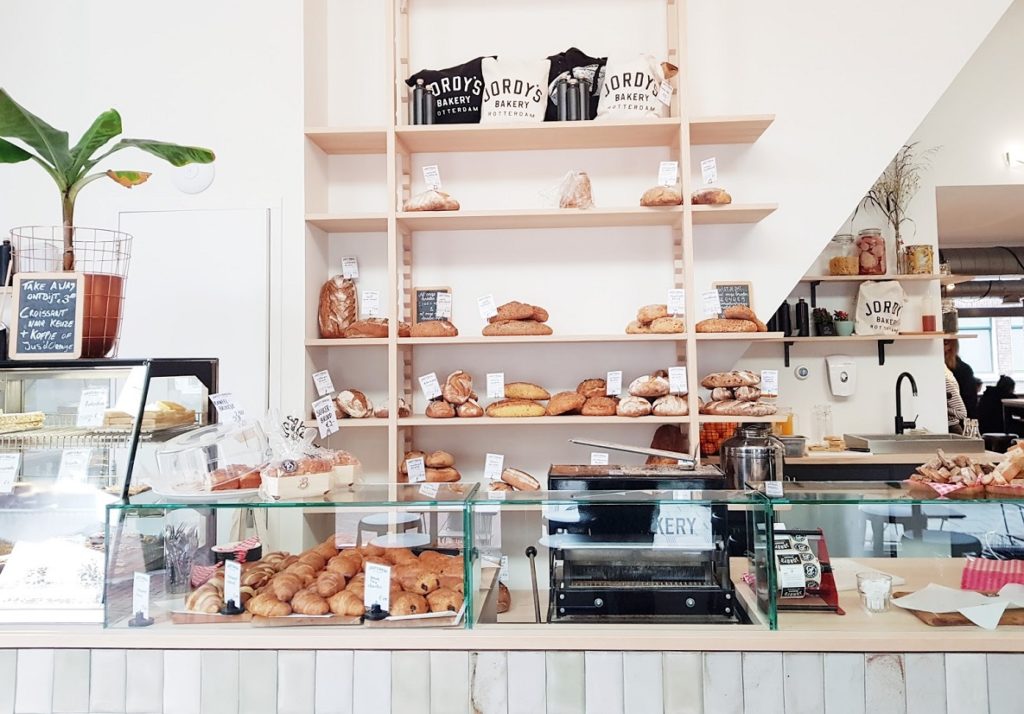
683	525
47	314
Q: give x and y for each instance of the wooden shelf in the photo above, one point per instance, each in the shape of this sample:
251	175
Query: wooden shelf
715	419
738	336
729	129
349	423
349	342
540	218
349	140
867	338
572	419
551	339
349	222
943	279
732	213
439	138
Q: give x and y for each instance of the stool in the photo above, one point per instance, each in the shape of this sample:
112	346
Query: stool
912	517
382	524
999	443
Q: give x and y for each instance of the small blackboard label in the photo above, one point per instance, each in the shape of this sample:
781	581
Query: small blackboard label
47	316
427	304
733	294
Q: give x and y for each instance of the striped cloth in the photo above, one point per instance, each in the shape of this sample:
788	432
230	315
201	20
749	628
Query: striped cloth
989	576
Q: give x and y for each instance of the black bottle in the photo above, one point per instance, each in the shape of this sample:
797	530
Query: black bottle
561	92
573	98
803	321
6	259
784	320
429	106
418	104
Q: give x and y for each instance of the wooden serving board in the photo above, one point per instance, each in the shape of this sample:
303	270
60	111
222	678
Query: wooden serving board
202	618
304	620
955	619
406	623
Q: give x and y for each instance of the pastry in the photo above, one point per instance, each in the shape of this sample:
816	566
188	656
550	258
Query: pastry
515	408
649	386
718	324
344	566
710	197
633	407
266	605
370	327
599	406
453	582
539	314
747	394
565	403
649	313
439	409
516	327
662	196
513	310
347	604
520	480
354	403
525	390
445	475
722	394
499	486
328	583
313	559
328	549
377	559
736	378
398	556
442	600
432	556
458	388
670	405
421	582
431	200
738	408
409	604
504	598
742	312
433	328
667	326
285	585
337	309
205	599
381	412
575	191
356	587
404	329
668	437
469	410
439	460
453	566
635	328
303	571
592	388
369	549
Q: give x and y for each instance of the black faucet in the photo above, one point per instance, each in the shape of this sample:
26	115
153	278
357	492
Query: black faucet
900	423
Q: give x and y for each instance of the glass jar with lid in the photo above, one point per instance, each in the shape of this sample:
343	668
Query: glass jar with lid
871	252
842	256
950	316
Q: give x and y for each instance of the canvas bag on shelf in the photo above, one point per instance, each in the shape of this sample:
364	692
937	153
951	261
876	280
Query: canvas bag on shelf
514	90
880	308
630	88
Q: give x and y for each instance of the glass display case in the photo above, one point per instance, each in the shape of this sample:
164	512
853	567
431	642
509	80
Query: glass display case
295	562
74	437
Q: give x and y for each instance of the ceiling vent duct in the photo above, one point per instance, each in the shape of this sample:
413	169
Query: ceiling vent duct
985	261
1013	289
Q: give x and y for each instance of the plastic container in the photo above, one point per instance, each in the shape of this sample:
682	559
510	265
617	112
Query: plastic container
871	252
842	256
221	457
950	316
795	445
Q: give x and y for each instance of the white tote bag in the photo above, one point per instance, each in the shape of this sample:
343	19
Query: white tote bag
880	308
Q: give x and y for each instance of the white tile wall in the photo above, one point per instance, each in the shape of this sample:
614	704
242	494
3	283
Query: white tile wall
804	686
642	682
144	686
844	683
683	682
334	673
449	683
527	682
220	682
566	686
296	681
34	687
489	682
884	685
371	682
723	683
1006	672
926	682
603	682
71	683
258	669
762	683
8	678
182	681
966	683
410	682
107	681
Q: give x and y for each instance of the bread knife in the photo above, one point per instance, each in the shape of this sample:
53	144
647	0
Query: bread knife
684	459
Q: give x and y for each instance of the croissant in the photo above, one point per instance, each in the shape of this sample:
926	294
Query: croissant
328	583
313	559
266	605
344	566
355	587
346	603
285	585
421	583
327	549
397	556
441	600
432	556
305	571
309	603
378	559
257	577
287	561
409	604
205	599
371	550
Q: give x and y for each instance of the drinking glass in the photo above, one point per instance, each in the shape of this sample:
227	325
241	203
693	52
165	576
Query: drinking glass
875	591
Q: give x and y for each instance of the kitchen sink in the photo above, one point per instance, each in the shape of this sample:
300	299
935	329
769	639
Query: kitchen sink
913	443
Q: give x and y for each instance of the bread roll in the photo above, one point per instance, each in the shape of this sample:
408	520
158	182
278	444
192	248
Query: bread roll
592	388
633	407
565	403
442	600
710	196
525	390
717	324
520	480
516	327
636	328
439	460
439	409
504	598
670	405
735	378
370	327
649	313
513	310
722	394
458	388
649	386
742	312
662	196
515	408
747	394
433	328
599	406
668	326
354	403
346	604
445	475
469	410
431	200
337	309
409	604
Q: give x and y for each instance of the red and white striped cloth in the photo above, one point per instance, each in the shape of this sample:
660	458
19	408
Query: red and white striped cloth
202	573
989	576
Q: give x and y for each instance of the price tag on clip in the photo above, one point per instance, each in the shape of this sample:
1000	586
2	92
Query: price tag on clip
709	170
233	582
322	382
613	383
443	309
668	173
91	407
495	385
487	307
494	464
665	94
377	588
140	594
370	303
9	471
227	410
677	380
349	268
773	489
430	490
74	465
598	458
432	177
326	418
711	302
416	470
430	387
676	301
769	382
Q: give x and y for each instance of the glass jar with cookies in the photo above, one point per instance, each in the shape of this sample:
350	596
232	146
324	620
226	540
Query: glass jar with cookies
842	257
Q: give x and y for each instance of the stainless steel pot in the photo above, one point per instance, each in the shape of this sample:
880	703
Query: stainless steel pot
752	456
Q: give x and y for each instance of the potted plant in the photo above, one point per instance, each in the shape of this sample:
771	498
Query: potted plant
823	326
841	320
101	255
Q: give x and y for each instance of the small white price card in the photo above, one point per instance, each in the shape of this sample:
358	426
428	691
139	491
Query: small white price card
432	177
676	301
233	582
322	382
369	303
377	588
709	170
769	382
668	173
227	409
349	268
665	94
140	594
773	489
677	380
494	464
496	495
130	396
683	525
613	383
711	303
74	464
598	458
503	573
430	387
8	471
495	385
791	575
444	306
487	307
430	490
91	407
326	418
416	470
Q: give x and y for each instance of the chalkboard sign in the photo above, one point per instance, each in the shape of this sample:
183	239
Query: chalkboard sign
47	316
426	304
732	294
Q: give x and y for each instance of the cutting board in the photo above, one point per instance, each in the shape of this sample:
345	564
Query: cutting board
955	619
202	618
304	620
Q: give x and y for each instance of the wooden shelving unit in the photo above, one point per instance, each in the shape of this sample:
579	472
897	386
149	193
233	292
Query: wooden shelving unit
882	340
398	142
816	280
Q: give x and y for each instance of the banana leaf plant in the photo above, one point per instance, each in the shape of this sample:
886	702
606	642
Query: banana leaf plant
71	167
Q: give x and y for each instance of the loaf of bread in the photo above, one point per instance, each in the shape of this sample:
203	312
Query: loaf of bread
433	328
370	327
649	313
337	309
599	406
738	408
513	310
539	314
515	408
667	326
458	388
469	410
381	412
499	486
516	327
746	394
520	480
671	405
637	328
649	386
735	378
525	390
722	394
404	329
592	388
718	324
565	403
438	460
710	197
354	403
668	437
742	312
575	191
633	407
404	468
431	200
443	475
504	598
662	196
440	409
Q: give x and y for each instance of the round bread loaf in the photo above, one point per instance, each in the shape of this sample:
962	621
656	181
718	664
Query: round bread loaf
633	407
599	406
445	475
469	410
636	328
354	403
565	403
649	386
439	460
458	388
649	313
592	388
439	409
670	405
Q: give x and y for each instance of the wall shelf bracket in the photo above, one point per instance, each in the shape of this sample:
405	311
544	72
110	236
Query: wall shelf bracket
881	351
786	344
814	293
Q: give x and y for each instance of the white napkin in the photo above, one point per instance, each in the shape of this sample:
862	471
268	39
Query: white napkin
982	610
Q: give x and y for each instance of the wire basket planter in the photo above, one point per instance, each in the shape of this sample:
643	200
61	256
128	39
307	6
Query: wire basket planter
103	257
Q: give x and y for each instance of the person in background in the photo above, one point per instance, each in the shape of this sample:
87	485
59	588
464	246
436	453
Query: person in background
990	406
964	376
956	412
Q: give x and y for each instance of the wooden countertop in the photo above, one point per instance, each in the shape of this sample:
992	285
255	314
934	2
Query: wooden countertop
853	458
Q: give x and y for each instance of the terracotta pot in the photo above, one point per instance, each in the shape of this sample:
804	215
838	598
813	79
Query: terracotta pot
101	322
